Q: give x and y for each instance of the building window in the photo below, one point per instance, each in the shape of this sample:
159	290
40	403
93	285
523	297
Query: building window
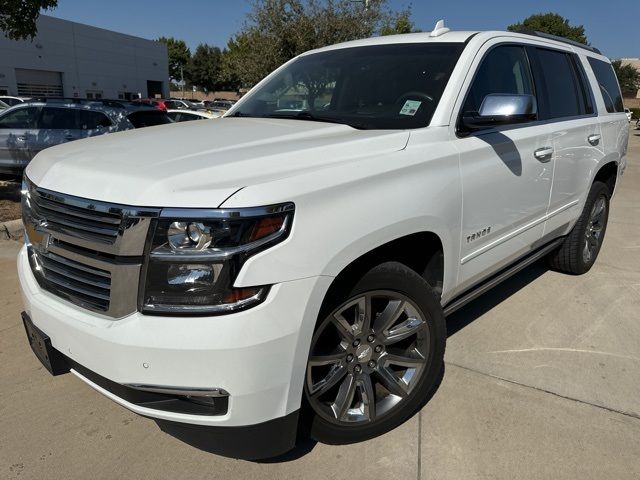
94	94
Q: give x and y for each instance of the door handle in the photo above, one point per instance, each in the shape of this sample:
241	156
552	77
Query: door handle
594	139
69	137
543	154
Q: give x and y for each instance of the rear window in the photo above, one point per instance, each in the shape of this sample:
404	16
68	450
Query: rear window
148	118
565	94
58	119
608	83
90	120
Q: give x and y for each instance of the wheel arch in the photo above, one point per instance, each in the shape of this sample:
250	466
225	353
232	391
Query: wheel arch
607	173
423	251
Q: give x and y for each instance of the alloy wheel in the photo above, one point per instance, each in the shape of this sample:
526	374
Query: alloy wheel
595	226
367	357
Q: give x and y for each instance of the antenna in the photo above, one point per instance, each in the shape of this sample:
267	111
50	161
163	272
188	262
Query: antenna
439	29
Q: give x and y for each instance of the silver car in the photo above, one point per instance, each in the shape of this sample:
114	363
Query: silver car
28	128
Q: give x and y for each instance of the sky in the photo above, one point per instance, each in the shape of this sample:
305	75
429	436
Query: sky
611	25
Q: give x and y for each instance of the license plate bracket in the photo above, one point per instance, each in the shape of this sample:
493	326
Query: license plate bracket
40	343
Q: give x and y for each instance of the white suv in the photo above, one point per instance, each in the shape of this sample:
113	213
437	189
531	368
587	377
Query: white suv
292	267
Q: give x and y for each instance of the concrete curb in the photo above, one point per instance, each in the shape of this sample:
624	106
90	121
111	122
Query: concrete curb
11	230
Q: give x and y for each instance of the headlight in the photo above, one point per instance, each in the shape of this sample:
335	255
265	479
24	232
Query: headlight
195	256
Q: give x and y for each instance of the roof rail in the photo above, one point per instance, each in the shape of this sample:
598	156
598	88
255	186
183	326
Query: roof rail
103	101
548	36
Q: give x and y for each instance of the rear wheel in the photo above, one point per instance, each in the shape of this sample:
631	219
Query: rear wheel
375	355
579	251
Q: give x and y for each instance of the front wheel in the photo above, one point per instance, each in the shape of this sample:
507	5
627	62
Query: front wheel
375	356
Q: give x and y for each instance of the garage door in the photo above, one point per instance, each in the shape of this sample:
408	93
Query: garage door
38	83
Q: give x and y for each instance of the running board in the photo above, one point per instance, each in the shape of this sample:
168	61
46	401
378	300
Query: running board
461	300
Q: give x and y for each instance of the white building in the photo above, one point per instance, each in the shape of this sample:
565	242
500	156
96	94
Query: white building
74	60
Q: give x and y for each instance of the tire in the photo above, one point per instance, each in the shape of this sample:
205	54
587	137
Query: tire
577	254
353	360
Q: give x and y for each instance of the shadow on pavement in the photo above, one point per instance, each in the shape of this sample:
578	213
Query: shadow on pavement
478	307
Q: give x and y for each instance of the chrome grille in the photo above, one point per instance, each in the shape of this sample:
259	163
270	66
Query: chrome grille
68	218
87	252
77	282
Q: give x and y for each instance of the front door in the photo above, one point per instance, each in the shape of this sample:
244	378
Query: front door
506	175
17	128
56	125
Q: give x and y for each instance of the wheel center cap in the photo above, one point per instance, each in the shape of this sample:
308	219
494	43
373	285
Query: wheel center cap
364	353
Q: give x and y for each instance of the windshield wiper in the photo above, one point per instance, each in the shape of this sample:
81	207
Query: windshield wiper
307	115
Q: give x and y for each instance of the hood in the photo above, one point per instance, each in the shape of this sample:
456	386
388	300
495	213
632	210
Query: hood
201	163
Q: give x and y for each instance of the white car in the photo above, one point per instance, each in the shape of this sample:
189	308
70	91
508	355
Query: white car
629	114
11	101
188	115
280	271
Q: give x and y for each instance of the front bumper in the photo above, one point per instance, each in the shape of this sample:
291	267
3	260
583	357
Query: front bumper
258	356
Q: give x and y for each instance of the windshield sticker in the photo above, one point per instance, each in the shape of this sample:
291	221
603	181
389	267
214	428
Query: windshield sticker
410	107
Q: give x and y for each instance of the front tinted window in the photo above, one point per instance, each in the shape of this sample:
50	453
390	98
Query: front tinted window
608	85
505	70
58	119
377	87
20	118
564	97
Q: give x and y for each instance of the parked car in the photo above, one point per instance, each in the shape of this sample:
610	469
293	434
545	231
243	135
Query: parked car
219	105
629	114
186	115
3	106
30	127
284	268
151	102
180	105
11	101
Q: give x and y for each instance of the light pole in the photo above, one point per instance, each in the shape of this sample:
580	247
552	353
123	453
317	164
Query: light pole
182	81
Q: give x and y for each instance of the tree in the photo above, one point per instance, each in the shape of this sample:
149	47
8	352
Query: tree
278	30
553	24
400	23
628	77
179	56
204	67
18	17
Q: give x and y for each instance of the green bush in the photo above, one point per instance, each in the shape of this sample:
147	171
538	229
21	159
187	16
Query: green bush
635	112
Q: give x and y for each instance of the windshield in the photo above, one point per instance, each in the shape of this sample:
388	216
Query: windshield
377	87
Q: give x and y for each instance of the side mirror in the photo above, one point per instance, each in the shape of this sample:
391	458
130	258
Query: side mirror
502	109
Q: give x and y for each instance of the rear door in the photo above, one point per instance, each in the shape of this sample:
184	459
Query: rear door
505	187
17	127
566	103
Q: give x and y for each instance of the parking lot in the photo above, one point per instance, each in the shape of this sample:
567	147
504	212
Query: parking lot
542	380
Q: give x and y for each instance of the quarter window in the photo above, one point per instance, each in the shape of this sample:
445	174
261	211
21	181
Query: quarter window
608	83
505	70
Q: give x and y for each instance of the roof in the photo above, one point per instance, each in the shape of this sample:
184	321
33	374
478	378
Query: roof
444	35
